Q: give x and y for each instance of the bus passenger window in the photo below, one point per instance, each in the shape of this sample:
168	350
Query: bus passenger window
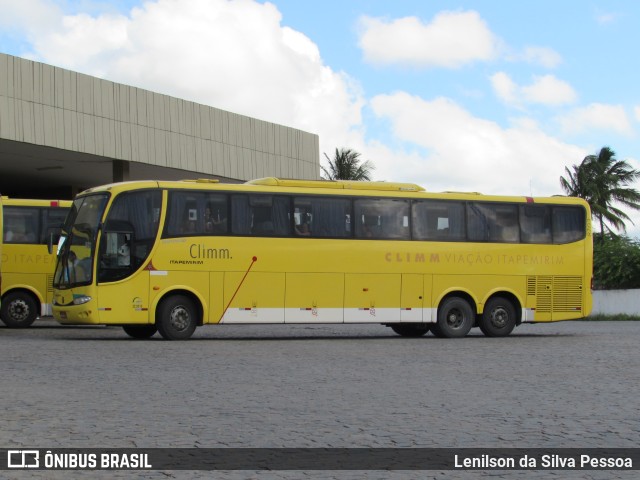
21	225
196	213
382	218
438	220
568	224
506	228
535	224
260	215
489	222
322	217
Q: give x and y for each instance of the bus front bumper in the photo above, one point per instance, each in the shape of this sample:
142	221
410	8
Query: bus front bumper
71	309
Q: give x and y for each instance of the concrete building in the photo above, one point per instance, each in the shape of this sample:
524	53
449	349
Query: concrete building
63	131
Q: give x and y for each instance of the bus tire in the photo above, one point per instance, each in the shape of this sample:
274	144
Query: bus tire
19	310
498	318
176	318
455	318
140	331
411	329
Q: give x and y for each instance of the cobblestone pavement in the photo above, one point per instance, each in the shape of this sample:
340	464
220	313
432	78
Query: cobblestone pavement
572	384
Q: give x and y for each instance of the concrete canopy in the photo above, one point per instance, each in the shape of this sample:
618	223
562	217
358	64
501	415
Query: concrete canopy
62	132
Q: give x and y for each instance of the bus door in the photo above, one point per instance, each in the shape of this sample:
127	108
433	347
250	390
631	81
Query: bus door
123	296
127	238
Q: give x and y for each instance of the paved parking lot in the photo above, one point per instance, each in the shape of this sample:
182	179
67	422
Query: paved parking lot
572	384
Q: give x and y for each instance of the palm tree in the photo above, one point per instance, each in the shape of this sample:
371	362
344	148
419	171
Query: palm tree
602	180
346	165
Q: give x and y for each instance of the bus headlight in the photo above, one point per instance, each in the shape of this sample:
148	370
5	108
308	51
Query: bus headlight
81	300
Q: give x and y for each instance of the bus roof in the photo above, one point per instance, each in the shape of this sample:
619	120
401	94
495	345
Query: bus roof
340	184
337	187
34	202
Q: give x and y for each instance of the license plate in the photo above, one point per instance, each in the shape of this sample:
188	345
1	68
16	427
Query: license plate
63	315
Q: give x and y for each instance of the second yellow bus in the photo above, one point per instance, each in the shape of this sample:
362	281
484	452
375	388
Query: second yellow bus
27	265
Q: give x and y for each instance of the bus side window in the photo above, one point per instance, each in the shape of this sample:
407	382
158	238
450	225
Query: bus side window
488	222
382	218
438	220
505	228
21	225
535	224
568	224
261	215
322	217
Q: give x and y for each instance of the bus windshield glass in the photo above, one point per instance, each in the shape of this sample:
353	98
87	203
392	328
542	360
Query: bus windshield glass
78	241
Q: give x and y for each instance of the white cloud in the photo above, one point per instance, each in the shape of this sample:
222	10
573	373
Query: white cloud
27	15
636	112
238	56
466	152
505	88
451	40
231	55
549	90
543	56
546	90
596	116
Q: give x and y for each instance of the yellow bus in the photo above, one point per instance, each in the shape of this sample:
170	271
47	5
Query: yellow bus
27	263
170	256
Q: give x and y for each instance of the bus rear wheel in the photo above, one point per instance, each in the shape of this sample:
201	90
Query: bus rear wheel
140	331
498	318
176	318
455	318
411	330
19	310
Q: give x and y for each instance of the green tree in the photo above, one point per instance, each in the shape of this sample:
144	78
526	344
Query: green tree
603	181
616	263
346	165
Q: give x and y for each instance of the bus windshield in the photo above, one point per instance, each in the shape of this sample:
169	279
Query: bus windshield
78	241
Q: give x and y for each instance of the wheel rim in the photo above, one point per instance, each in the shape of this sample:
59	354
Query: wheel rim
180	318
455	318
499	317
19	310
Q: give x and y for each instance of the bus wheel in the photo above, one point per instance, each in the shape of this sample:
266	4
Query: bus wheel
140	331
19	310
498	318
176	318
411	330
455	318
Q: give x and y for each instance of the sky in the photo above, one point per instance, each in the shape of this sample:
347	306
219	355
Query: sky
489	96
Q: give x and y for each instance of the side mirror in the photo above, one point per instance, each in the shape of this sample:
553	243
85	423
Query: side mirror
53	238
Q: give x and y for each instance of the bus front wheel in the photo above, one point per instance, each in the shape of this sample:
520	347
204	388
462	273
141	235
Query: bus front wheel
455	318
19	310
176	318
140	331
498	318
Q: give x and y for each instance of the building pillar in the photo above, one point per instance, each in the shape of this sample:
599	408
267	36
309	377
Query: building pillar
120	170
